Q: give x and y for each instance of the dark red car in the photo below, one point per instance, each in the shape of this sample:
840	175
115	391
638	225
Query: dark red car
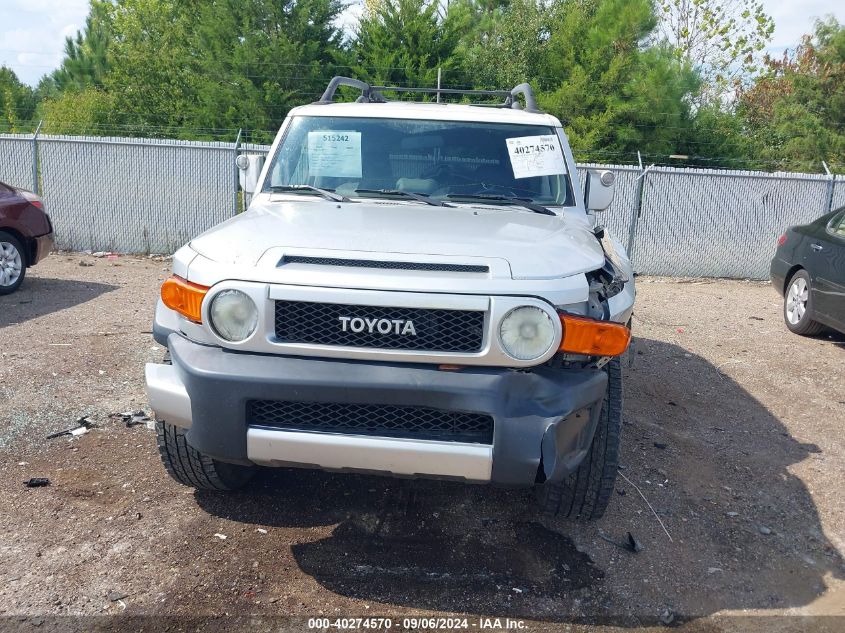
26	235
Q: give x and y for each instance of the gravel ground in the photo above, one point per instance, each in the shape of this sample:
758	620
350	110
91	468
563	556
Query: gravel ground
733	432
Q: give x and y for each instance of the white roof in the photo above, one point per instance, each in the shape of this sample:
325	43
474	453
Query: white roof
427	111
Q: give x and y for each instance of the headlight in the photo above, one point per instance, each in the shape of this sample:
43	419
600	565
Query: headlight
527	333
233	315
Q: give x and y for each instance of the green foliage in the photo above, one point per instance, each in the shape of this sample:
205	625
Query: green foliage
17	102
509	43
404	42
149	75
80	112
253	61
722	39
182	68
614	96
719	139
795	112
85	63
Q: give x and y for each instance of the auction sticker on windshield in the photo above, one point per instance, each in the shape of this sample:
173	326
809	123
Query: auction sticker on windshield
536	156
334	153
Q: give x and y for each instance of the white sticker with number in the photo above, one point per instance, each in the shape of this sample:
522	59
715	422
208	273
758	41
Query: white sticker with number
334	153
536	156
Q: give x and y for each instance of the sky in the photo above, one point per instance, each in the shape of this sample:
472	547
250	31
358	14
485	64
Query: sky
32	32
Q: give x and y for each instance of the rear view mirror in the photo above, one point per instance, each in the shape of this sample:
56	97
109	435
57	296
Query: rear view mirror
598	190
249	166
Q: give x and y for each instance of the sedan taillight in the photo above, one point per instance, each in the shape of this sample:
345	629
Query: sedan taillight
782	240
33	199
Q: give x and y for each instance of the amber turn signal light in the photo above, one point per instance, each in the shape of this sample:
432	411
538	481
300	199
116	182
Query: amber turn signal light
184	297
582	335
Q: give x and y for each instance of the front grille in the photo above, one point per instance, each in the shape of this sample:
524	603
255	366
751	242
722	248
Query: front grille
434	330
381	420
371	263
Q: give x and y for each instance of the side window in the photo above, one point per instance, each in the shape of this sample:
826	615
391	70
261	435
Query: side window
837	227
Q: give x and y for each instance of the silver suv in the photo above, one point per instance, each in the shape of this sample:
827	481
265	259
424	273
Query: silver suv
416	290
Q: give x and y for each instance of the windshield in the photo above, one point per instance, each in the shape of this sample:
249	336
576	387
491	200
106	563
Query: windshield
359	157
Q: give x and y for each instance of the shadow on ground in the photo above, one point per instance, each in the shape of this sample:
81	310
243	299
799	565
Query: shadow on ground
481	550
39	296
833	336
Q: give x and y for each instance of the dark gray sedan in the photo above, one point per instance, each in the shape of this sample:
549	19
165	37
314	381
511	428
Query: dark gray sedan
809	271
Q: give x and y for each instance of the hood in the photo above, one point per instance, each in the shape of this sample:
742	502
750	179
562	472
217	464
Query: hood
535	246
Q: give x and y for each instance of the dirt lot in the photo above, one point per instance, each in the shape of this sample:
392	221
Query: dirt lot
734	433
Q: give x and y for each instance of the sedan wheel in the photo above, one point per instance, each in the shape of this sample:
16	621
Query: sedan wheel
798	306
11	264
796	300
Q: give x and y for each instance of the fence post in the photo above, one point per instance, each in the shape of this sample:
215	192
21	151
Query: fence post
831	183
35	157
237	173
638	207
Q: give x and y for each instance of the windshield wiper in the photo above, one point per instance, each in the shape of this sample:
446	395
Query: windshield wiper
421	197
325	193
526	203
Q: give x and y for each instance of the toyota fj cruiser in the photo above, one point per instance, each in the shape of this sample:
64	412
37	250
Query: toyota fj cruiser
417	290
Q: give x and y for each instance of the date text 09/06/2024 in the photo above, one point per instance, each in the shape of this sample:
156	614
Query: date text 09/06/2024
416	624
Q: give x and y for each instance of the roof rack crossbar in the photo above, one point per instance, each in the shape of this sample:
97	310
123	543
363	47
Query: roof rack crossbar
373	94
451	91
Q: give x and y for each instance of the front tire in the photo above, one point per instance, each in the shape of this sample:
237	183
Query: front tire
13	263
191	468
585	493
798	306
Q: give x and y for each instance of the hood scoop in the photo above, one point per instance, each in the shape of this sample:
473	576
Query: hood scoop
387	265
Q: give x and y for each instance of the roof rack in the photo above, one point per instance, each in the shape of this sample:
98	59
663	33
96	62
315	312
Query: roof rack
373	94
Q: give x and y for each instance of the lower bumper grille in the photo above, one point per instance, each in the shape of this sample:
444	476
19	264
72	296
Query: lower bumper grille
381	420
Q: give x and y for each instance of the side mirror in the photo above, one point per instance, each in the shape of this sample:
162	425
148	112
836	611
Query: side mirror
598	190
250	166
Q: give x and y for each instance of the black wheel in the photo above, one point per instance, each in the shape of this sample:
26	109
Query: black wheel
13	263
190	467
798	305
584	494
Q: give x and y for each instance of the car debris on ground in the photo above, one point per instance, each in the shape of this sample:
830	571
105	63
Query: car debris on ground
83	425
631	544
133	418
37	482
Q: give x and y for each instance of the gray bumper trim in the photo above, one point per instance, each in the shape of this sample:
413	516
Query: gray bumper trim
396	456
167	394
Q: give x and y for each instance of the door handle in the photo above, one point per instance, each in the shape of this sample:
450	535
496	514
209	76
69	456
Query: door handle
816	246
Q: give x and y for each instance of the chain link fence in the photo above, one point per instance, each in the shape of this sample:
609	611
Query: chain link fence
151	196
134	195
17	160
838	197
714	223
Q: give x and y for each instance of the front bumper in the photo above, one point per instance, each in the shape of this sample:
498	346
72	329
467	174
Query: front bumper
544	418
